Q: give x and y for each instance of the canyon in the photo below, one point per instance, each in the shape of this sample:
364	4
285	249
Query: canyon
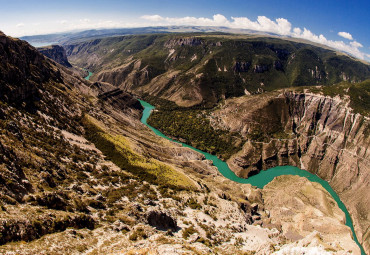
327	139
327	135
81	174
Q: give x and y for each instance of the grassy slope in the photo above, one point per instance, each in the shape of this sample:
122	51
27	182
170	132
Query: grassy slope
118	150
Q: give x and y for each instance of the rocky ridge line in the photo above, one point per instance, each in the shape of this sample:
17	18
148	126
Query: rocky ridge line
326	138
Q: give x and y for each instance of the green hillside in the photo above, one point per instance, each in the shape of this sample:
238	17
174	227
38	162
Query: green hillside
191	69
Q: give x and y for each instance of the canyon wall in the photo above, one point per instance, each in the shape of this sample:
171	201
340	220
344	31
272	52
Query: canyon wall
320	134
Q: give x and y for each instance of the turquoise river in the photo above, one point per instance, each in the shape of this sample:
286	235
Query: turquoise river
261	179
89	75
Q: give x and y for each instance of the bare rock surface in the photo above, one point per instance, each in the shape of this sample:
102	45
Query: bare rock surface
302	207
317	133
56	53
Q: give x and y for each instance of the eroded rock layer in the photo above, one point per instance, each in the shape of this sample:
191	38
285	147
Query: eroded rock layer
314	132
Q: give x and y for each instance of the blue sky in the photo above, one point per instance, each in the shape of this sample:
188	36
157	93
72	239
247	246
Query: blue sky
303	19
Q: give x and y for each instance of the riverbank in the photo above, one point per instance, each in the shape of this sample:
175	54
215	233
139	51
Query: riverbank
261	179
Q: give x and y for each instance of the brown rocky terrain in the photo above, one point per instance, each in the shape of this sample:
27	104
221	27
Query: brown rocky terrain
79	173
192	69
57	53
314	132
296	205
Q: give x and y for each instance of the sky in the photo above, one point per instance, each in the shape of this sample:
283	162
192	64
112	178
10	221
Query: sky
343	25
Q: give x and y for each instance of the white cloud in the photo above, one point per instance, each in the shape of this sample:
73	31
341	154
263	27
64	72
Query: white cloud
297	31
356	44
152	17
85	20
351	48
278	26
217	20
346	35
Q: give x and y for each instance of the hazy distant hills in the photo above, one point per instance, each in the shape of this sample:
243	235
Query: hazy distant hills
62	38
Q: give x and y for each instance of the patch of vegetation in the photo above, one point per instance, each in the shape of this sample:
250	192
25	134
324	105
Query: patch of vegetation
118	150
132	190
192	127
193	204
138	234
210	232
359	94
188	232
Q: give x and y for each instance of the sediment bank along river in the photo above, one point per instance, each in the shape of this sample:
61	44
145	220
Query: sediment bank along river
261	179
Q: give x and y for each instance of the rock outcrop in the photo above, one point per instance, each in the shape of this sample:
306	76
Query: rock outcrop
317	133
183	41
161	220
206	69
22	71
121	100
301	208
26	230
260	68
56	53
241	66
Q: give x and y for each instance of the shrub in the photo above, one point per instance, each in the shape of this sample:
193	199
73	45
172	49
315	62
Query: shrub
193	204
188	232
138	234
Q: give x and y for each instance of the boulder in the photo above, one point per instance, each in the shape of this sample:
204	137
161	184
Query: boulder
161	220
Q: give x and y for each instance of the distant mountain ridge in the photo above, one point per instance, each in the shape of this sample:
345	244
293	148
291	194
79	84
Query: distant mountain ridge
73	36
210	67
79	172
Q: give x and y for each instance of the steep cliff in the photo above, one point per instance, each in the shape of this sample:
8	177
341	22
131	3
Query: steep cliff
56	53
318	133
23	71
80	173
315	214
210	68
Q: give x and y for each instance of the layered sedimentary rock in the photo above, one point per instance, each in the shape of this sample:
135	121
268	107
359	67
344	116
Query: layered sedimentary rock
205	69
314	132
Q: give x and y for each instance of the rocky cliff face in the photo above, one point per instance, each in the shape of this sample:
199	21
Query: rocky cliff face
79	169
56	53
314	132
308	202
209	67
183	41
22	71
